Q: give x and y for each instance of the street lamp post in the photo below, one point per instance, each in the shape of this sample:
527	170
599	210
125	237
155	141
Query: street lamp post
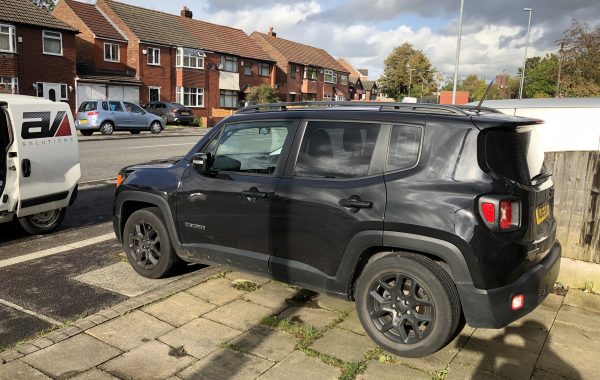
422	87
410	79
462	6
530	10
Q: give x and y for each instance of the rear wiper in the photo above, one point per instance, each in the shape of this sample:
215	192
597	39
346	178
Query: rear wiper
540	177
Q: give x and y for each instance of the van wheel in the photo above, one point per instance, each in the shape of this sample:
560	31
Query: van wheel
107	128
86	132
408	304
43	222
155	127
148	245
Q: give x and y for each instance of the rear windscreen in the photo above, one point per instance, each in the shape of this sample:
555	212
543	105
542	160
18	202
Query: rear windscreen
87	106
515	154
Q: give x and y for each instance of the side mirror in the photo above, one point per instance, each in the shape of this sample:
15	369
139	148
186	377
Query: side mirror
202	162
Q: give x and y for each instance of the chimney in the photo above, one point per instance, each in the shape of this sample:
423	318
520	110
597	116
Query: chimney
185	12
271	32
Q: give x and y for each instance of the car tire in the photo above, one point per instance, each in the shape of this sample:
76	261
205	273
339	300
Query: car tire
148	245
164	119
134	132
107	128
85	132
408	304
43	222
155	127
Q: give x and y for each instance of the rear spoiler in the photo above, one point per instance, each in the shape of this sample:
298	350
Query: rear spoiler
500	120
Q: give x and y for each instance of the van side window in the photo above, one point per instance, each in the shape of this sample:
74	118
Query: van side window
405	144
337	149
105	106
115	106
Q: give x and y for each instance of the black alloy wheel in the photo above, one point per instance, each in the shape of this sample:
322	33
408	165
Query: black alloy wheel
144	244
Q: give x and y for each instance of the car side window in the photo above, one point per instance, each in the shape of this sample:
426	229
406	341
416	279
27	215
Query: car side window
336	149
133	108
105	106
405	145
115	107
251	147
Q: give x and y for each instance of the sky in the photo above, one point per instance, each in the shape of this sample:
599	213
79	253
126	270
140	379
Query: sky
366	31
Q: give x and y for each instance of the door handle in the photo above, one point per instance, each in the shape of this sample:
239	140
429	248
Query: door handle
354	202
254	193
26	167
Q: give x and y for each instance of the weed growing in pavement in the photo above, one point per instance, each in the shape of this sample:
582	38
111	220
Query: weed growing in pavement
301	298
441	374
247	286
218	275
307	334
351	369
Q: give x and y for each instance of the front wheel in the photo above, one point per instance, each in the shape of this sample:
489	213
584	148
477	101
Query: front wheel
43	222
155	127
408	304
148	245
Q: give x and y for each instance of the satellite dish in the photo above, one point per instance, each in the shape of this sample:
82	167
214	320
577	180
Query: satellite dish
220	66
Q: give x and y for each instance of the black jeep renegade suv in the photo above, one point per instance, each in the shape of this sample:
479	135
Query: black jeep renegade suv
424	215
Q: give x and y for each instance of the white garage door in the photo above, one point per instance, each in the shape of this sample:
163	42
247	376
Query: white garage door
89	91
126	93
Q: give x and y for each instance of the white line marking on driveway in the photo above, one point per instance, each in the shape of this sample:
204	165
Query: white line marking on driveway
56	250
156	146
33	313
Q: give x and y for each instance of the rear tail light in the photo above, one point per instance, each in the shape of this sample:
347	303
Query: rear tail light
517	302
500	213
93	113
175	110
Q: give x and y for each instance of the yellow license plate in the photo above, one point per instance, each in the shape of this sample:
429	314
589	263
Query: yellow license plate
83	121
542	212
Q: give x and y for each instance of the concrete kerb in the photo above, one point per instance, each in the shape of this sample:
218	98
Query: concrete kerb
180	132
125	307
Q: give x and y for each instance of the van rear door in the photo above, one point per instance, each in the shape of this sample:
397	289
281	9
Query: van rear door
47	155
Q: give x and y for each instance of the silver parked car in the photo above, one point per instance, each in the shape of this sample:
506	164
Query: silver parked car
108	116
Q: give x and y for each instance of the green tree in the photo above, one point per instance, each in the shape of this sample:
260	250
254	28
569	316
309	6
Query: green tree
540	76
403	67
262	94
474	85
579	52
45	4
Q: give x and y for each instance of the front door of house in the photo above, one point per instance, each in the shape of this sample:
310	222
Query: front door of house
52	91
154	94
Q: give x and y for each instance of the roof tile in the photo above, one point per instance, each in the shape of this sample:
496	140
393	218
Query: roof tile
94	20
25	12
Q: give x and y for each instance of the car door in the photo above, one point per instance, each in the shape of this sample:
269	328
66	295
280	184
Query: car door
119	115
138	117
334	190
223	216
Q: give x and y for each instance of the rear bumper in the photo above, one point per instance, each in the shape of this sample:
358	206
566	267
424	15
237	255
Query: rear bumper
492	308
185	119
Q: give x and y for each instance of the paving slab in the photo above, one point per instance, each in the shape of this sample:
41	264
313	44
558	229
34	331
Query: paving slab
130	330
151	360
569	362
553	302
298	366
179	309
539	374
542	316
579	317
199	337
266	342
227	364
121	278
379	371
94	374
242	276
526	337
239	314
316	317
272	295
583	300
71	356
352	323
571	336
332	303
343	344
17	370
465	371
217	291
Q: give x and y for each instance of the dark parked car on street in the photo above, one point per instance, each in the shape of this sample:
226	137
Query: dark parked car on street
107	116
426	216
171	112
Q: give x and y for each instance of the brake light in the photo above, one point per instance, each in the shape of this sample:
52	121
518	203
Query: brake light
93	113
175	110
517	302
509	214
499	213
488	210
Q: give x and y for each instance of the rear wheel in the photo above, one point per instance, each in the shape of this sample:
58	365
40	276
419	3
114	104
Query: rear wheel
86	132
43	222
148	245
164	119
155	127
407	304
107	128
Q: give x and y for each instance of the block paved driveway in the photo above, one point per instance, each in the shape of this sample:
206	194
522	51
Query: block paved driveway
228	325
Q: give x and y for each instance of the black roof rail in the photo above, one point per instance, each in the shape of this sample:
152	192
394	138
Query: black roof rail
381	106
470	107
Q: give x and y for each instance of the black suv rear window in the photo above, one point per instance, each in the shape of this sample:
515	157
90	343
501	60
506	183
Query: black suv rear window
87	106
515	154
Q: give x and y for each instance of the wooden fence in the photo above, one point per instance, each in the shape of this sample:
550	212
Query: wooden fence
576	178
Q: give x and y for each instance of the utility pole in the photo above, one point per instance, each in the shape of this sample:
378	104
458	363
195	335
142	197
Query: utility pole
530	10
559	70
422	86
462	6
410	79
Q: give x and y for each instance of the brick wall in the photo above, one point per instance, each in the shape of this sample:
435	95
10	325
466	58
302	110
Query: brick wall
133	48
162	75
8	65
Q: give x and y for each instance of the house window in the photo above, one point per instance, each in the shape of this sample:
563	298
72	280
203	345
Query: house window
9	85
327	98
309	97
153	56
264	69
229	63
7	39
190	58
339	98
229	99
292	70
248	68
111	52
311	73
190	96
52	42
330	76
344	79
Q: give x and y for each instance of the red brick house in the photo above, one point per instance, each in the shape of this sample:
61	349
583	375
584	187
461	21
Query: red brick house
204	66
37	52
304	72
102	70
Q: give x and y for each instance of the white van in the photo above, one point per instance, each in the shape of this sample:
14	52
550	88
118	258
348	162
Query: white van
39	162
570	124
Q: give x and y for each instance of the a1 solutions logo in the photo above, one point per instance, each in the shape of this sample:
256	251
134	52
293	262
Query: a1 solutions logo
40	127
